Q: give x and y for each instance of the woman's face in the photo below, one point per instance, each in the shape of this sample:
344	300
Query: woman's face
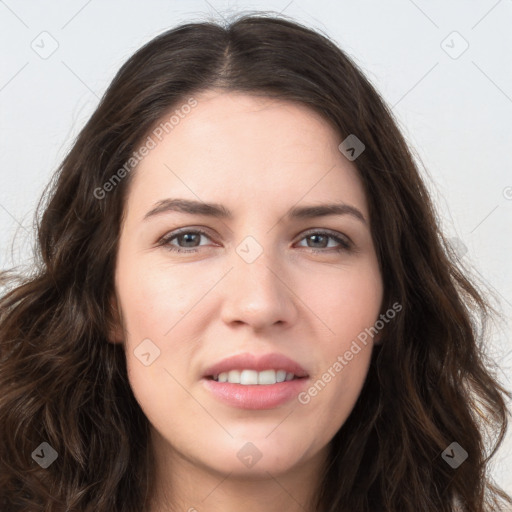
262	281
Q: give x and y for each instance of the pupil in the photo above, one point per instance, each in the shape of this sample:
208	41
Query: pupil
187	237
317	237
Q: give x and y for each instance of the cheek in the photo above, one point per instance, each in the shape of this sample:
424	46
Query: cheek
334	390
346	302
161	385
153	304
349	305
156	297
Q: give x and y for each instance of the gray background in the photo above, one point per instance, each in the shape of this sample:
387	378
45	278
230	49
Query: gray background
454	105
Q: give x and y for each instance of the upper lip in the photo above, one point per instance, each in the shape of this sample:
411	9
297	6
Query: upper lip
259	363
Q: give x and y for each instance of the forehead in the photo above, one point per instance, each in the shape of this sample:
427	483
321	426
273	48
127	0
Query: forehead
253	119
238	147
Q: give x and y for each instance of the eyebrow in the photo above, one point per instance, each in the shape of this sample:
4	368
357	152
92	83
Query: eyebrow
219	211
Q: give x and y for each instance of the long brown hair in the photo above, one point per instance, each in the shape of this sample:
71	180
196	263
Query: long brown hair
430	382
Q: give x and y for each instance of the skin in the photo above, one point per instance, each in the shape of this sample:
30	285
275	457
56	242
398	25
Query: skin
258	157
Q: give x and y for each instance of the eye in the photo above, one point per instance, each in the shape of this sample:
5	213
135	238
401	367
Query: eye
323	236
192	237
189	236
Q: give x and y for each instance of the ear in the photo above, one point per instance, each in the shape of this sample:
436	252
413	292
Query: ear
378	339
115	327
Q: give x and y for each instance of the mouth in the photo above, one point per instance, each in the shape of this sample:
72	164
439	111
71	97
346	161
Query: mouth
255	396
253	381
252	369
246	377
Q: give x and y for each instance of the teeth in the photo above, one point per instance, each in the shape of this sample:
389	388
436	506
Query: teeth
248	377
234	376
266	377
252	377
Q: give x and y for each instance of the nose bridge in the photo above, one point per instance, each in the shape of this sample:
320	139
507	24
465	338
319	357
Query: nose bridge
256	265
257	291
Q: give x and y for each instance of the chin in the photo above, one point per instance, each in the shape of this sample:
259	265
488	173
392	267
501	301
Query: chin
255	459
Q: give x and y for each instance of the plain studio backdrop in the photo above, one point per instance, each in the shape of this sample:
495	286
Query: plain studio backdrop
441	67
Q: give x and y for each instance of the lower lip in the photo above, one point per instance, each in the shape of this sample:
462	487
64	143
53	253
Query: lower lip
266	396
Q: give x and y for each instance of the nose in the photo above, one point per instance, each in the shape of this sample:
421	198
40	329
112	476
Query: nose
258	294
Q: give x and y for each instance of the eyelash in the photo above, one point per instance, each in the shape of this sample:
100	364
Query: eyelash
165	241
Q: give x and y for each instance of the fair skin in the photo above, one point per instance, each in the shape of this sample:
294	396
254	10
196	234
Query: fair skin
258	158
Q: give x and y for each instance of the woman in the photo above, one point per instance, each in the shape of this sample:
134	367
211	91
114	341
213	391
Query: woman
144	370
